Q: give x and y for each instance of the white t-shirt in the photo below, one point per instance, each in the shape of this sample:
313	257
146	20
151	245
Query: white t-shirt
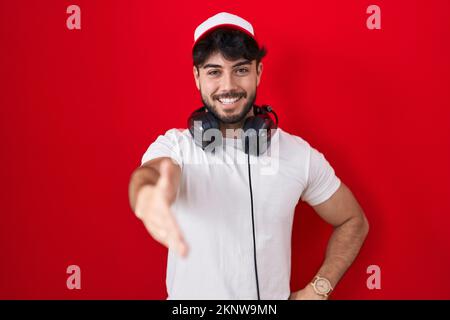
213	210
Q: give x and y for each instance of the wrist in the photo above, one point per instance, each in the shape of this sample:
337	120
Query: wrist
321	286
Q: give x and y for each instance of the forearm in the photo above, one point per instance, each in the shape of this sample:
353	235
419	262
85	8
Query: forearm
140	177
343	247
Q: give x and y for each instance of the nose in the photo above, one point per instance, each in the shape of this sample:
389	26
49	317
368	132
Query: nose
228	82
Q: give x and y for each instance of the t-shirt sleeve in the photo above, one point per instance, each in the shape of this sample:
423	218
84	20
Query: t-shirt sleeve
322	182
167	145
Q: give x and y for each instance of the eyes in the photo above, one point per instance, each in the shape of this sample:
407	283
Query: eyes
242	71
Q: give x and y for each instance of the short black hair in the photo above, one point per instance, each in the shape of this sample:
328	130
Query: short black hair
231	43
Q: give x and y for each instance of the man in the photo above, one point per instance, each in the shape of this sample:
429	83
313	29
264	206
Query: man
198	204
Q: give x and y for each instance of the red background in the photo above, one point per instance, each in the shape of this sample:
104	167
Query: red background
79	108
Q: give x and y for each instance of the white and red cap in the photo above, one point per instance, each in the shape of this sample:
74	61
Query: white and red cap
223	19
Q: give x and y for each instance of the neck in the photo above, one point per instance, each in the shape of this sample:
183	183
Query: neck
230	130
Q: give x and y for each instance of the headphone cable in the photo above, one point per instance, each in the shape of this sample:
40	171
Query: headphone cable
253	225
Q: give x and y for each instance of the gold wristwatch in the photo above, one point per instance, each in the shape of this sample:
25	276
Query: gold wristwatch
322	286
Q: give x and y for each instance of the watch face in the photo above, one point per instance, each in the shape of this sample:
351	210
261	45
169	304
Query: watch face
322	286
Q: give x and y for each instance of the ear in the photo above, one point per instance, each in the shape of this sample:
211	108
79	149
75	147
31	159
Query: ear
196	77
259	70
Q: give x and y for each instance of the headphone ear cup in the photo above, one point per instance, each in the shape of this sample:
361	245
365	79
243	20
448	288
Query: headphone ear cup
257	133
198	123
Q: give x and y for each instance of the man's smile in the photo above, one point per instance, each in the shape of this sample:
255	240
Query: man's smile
229	103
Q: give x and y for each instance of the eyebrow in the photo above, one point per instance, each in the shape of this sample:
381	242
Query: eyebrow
210	65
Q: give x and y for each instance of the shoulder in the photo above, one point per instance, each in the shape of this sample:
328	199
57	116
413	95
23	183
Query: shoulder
293	143
300	148
169	144
176	135
177	132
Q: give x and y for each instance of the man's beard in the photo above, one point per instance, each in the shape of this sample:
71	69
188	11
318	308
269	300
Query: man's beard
233	118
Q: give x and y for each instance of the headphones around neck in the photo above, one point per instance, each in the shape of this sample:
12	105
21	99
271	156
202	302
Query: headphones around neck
256	129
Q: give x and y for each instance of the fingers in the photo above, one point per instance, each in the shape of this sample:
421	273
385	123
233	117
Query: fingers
163	227
168	234
175	238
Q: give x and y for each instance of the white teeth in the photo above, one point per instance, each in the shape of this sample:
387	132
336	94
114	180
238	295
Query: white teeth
228	101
